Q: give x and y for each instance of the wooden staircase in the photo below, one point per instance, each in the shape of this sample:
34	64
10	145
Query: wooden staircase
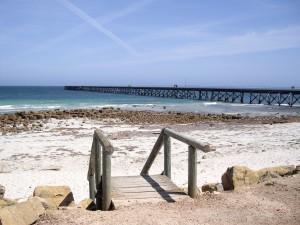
111	192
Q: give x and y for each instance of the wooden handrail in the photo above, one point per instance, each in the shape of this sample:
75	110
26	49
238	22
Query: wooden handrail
189	141
99	172
164	139
157	146
107	146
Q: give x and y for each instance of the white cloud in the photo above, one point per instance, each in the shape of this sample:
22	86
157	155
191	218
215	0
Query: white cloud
272	40
284	38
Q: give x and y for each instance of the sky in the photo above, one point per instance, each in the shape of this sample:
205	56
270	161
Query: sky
205	43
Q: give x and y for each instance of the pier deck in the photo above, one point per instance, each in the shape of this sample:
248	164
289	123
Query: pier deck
279	97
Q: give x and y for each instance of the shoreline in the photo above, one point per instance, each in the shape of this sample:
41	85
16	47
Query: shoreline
34	120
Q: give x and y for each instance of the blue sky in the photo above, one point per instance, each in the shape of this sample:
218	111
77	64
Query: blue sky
150	42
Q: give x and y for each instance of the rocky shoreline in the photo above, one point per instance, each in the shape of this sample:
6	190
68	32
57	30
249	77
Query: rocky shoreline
34	120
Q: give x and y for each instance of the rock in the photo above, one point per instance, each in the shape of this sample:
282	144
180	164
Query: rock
52	168
238	176
280	170
297	170
212	187
24	213
209	148
6	202
55	196
2	191
269	183
87	204
186	190
268	176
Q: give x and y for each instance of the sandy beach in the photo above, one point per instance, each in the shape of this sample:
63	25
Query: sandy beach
260	204
57	152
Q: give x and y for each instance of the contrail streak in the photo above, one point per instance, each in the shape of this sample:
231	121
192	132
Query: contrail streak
130	9
91	21
82	28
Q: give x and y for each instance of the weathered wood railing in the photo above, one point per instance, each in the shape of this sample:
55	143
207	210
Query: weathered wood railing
164	139
99	173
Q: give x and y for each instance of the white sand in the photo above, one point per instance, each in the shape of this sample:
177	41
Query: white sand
26	158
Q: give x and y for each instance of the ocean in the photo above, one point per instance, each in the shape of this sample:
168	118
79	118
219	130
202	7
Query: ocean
25	98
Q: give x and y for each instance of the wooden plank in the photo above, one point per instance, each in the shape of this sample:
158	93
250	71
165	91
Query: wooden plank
157	146
192	172
106	181
154	177
167	155
145	188
142	195
136	189
141	179
136	182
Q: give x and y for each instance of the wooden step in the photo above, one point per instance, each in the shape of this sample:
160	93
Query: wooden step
139	189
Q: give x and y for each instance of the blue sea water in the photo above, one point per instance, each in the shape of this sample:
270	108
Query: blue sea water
19	98
31	98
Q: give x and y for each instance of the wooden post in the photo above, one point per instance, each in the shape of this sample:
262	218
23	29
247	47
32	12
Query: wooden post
98	173
92	187
106	181
192	172
167	155
98	166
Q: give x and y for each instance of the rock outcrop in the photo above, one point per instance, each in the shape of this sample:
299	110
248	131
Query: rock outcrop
24	213
54	196
238	176
35	120
279	170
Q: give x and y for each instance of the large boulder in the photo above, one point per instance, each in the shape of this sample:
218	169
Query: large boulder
2	191
54	196
238	176
24	213
279	170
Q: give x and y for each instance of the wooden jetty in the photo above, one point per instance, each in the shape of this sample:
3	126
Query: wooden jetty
111	192
279	97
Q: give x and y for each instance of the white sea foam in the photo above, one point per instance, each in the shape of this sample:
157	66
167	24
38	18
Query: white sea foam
210	103
6	107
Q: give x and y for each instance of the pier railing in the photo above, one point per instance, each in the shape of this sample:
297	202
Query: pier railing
193	145
99	173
